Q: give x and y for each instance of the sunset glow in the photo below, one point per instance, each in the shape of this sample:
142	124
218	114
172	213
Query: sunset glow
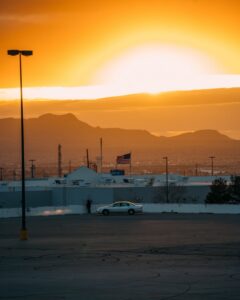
98	49
161	66
154	68
109	90
149	68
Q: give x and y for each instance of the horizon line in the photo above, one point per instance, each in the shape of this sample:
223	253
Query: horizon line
46	99
95	92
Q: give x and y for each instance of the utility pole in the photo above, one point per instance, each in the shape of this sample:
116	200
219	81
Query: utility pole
196	170
101	154
69	167
14	175
32	167
1	174
88	164
59	160
167	188
212	158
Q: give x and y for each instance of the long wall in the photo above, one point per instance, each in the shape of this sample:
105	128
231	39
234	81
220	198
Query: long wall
62	196
33	199
77	195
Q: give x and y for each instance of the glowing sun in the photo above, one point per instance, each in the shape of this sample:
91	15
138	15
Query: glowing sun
153	68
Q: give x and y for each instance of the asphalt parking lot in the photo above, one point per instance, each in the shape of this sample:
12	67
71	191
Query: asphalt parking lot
150	256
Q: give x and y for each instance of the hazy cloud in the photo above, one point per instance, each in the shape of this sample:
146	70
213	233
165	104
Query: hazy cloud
31	18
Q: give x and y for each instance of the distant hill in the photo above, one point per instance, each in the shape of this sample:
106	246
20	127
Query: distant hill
165	114
44	133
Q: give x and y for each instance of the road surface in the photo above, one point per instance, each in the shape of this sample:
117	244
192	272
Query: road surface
143	257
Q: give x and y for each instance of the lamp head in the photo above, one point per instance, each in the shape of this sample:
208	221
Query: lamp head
13	52
27	52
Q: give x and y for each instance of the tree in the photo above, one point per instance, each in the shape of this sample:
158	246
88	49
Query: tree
176	193
220	192
234	188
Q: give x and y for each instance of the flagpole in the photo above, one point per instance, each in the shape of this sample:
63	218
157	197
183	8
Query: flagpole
130	165
126	160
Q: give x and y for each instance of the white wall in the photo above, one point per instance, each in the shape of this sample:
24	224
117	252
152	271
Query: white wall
193	208
147	208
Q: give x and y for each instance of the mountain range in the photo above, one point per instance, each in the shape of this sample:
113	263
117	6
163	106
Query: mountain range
44	133
166	114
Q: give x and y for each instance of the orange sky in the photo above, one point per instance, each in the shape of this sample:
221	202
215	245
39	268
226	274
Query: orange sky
82	43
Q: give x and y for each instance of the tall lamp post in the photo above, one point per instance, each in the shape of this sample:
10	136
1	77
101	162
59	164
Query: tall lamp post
167	191
23	232
212	158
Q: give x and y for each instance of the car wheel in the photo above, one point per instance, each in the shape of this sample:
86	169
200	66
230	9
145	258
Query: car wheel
131	212
105	212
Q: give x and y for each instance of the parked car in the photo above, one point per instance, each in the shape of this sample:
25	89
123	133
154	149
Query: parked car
120	207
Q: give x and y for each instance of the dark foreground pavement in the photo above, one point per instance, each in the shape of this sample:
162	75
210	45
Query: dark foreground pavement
162	256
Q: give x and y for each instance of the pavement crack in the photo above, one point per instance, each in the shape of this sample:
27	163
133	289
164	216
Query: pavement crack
178	294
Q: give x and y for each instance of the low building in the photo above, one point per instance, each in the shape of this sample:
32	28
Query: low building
83	184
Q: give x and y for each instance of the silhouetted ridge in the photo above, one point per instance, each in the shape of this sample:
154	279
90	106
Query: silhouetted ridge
53	117
65	120
207	134
43	135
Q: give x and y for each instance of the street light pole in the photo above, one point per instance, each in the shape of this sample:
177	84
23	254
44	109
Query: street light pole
167	190
23	232
212	158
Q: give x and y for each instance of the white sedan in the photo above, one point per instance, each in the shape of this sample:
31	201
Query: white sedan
120	207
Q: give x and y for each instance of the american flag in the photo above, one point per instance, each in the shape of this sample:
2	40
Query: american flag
124	159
